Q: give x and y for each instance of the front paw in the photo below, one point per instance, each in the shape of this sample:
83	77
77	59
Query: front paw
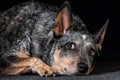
47	71
41	68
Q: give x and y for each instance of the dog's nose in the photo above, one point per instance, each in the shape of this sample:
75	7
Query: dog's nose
83	68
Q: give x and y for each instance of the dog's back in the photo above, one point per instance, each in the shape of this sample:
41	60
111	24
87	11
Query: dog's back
30	19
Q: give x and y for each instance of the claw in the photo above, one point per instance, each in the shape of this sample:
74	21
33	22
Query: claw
54	74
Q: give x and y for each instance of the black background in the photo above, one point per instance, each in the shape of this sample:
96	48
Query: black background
94	14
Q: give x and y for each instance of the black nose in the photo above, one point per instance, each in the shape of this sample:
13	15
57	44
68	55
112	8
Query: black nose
83	68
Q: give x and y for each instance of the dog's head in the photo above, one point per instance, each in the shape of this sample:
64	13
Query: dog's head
74	48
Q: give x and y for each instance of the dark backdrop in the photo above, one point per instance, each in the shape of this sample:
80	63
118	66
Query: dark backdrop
94	13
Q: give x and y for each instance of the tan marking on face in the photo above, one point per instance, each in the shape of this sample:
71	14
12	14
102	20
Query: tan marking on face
22	54
65	65
87	43
77	42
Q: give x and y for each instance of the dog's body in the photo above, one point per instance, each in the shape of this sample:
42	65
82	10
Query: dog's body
38	37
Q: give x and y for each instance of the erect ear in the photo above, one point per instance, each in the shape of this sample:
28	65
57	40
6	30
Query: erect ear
99	36
63	20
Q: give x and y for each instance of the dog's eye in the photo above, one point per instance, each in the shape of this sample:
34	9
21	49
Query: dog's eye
92	52
70	46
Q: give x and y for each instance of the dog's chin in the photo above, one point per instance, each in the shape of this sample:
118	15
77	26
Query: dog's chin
73	74
82	74
65	72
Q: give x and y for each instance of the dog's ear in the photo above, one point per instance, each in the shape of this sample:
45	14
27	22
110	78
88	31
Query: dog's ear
100	35
63	20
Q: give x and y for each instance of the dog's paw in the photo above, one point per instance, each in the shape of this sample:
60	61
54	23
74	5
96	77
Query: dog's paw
51	72
42	68
47	71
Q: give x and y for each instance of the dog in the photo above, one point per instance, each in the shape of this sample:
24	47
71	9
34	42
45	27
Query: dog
37	37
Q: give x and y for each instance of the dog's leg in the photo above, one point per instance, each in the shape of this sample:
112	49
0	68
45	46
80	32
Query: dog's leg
27	64
11	70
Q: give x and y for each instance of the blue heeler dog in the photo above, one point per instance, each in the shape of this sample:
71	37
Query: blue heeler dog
47	40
